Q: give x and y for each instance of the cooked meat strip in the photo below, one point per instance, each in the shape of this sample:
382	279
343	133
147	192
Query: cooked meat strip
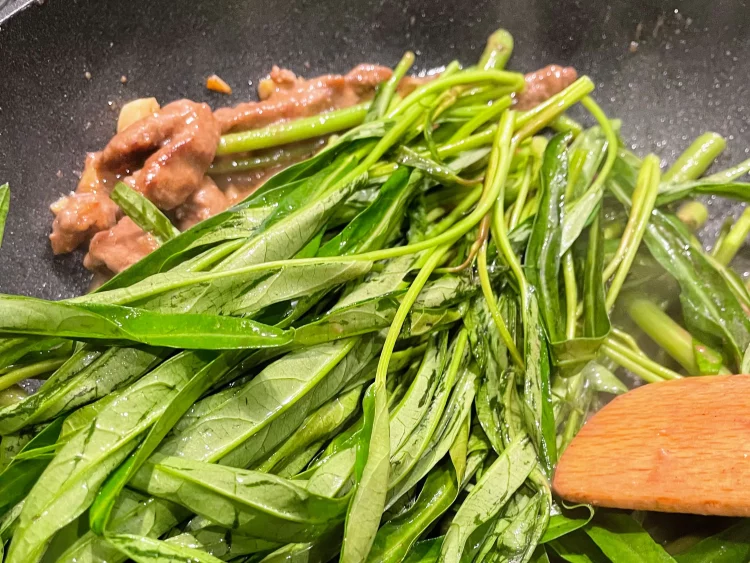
174	147
206	201
164	156
543	84
285	96
117	248
78	217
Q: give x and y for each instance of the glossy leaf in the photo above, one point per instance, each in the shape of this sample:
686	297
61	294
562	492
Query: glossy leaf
543	253
488	496
624	541
148	550
728	546
143	213
111	323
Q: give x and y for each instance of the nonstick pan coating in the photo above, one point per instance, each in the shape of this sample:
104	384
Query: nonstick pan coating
689	73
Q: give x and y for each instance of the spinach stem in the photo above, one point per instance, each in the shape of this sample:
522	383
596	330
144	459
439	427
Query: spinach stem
646	369
734	239
696	159
484	116
523	194
25	372
497	174
571	295
644	198
730	174
388	89
694	214
489	296
513	79
498	50
293	131
669	335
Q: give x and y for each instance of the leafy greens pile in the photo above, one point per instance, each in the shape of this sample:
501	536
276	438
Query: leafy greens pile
380	354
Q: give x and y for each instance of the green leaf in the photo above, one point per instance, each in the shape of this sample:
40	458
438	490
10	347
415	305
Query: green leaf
70	482
538	415
603	380
143	213
4	206
396	538
19	476
577	547
372	468
375	224
426	551
323	423
489	495
294	283
247	423
100	511
132	514
112	323
256	504
562	524
623	540
406	453
544	249
88	375
441	173
710	309
444	436
673	191
728	546
148	550
518	528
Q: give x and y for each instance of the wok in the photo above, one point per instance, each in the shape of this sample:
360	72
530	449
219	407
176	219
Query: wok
689	73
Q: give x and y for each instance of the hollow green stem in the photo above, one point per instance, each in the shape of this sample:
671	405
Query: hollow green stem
669	335
520	203
512	79
455	213
407	303
566	124
643	367
11	396
498	50
497	172
734	239
26	372
497	317
293	131
285	155
531	121
646	190
694	214
571	295
388	89
730	174
479	119
696	159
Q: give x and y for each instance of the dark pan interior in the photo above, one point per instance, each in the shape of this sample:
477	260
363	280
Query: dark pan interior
688	74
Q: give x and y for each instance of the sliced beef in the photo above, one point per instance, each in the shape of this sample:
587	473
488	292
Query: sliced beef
285	96
117	248
78	217
205	202
174	147
543	84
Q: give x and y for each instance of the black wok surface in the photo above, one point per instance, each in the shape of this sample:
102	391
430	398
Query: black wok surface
690	73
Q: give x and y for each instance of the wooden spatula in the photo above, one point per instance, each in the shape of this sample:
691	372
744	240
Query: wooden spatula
677	446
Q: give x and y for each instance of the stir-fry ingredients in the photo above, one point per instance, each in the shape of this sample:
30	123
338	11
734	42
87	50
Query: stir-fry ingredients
381	352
